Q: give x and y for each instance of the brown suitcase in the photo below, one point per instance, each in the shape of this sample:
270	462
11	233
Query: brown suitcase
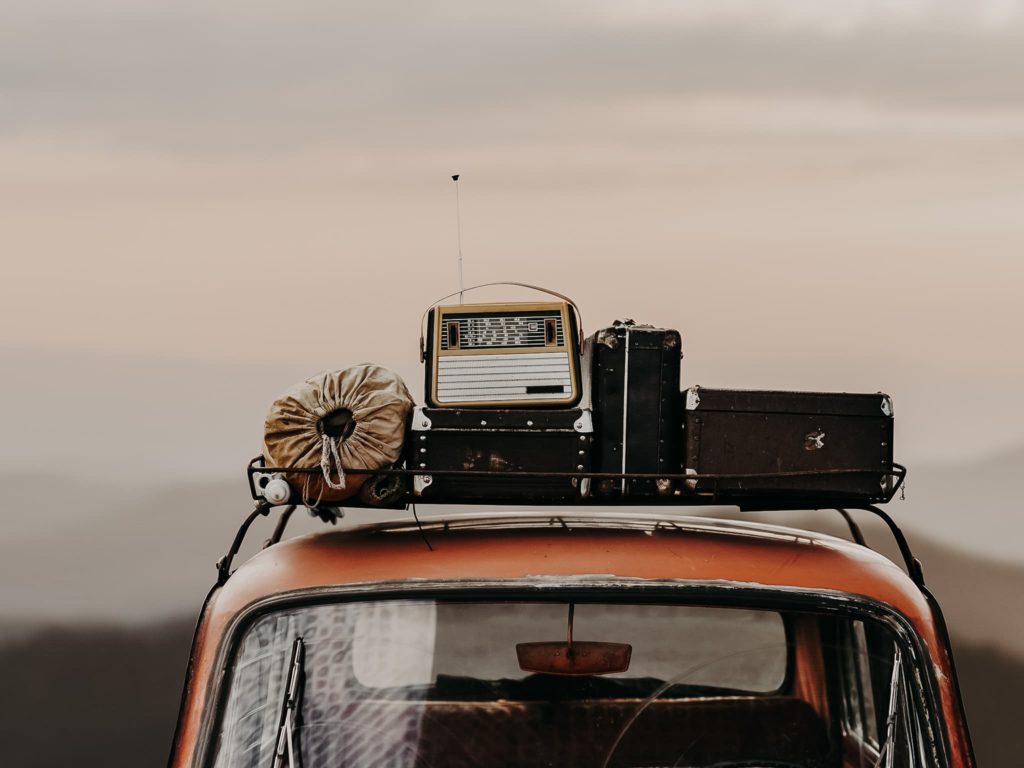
827	445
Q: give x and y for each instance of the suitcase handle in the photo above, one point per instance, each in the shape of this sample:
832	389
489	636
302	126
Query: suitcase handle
556	294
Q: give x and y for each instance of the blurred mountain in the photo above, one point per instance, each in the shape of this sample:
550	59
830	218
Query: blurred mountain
107	567
109	696
127	423
982	599
92	696
100	553
991	682
972	506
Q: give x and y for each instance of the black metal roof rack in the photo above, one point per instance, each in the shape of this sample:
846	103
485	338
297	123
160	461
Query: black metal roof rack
761	502
782	499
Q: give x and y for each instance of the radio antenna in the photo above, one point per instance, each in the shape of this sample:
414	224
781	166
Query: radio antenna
458	231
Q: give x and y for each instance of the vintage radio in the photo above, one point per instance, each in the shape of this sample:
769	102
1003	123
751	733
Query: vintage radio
492	355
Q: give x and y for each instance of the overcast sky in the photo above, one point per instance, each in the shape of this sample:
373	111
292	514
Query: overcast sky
202	197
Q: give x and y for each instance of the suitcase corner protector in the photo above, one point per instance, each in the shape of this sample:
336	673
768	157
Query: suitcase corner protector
585	423
420	421
691	483
420	483
886	405
693	398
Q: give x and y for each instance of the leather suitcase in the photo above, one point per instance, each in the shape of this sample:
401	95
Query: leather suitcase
637	407
497	441
739	432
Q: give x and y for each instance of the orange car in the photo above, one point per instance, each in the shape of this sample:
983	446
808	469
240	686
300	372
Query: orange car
583	639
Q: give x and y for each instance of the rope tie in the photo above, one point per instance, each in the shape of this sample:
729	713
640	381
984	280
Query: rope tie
329	455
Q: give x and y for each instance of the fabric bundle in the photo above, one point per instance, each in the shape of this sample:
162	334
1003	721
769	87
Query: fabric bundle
334	422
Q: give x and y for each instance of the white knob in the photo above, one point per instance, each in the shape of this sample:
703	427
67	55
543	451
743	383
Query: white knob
277	491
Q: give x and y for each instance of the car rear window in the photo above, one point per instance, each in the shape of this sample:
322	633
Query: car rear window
380	676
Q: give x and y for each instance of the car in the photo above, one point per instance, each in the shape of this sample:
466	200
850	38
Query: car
575	637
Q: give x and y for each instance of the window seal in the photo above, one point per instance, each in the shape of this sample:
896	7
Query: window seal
590	589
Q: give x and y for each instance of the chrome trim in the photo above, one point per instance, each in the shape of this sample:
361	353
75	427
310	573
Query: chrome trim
612	519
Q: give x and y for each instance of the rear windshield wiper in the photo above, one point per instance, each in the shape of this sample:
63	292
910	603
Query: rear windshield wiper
284	754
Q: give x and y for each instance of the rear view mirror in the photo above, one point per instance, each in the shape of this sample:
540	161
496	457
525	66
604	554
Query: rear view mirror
571	658
561	658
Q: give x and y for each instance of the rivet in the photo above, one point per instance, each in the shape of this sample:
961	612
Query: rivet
423	450
423	466
579	467
423	437
529	423
582	453
483	422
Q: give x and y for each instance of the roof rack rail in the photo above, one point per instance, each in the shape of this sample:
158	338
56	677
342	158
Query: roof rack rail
782	499
760	503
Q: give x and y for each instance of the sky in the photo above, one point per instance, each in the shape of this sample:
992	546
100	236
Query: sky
203	202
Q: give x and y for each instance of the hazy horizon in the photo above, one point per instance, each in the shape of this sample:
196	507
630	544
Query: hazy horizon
819	195
203	203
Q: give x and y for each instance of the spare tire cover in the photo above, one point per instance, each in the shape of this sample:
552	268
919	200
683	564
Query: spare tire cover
334	421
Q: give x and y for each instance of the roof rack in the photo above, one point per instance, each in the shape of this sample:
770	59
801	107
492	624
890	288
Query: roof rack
782	499
762	502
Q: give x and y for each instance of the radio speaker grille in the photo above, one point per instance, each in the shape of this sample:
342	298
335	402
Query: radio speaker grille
512	376
508	332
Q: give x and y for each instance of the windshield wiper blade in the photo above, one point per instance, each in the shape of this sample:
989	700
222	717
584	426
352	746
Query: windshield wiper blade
284	753
887	752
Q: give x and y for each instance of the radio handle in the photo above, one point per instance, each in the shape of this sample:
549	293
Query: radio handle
556	294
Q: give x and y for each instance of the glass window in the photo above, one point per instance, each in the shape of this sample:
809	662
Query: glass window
723	647
425	683
881	721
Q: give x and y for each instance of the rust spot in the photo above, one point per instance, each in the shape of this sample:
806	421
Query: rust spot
498	463
486	461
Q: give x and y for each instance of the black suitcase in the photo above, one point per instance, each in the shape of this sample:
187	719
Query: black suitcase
637	407
745	432
498	441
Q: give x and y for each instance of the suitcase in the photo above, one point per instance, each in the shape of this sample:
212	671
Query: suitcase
637	407
737	432
497	441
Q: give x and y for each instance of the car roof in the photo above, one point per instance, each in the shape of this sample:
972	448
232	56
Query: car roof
517	545
535	547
